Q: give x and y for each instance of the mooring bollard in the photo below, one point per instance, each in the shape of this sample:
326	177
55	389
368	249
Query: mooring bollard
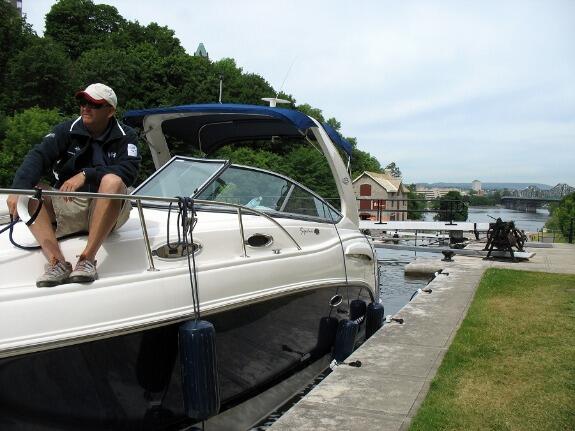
447	255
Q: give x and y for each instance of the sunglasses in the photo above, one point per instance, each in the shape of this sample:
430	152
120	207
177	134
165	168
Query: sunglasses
85	104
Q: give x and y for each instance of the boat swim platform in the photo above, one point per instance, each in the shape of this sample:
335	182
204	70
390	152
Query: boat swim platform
434	226
400	360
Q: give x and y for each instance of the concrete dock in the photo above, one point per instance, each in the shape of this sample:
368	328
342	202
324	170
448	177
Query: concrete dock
400	360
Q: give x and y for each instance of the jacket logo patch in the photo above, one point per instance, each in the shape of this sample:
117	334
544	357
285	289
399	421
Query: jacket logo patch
74	151
111	155
132	150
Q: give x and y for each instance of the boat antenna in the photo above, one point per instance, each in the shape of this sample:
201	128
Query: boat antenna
285	77
221	87
273	101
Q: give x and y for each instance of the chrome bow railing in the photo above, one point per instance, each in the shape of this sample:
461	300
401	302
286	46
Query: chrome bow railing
240	209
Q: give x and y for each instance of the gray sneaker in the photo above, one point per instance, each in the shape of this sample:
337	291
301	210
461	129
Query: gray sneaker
85	271
56	273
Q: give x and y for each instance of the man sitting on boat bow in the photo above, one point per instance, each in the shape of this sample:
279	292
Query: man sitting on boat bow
94	153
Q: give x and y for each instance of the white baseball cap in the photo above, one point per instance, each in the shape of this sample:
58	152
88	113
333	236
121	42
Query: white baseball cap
98	94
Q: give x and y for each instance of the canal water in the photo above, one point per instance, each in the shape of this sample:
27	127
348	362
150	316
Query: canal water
395	287
529	222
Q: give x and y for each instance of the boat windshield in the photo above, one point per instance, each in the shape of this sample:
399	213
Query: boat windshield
180	177
218	181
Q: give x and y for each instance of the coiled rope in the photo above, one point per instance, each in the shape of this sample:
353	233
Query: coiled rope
14	220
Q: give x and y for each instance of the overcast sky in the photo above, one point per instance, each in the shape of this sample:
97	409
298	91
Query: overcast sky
449	90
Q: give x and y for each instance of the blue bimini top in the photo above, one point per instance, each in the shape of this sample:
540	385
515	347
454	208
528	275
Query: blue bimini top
210	126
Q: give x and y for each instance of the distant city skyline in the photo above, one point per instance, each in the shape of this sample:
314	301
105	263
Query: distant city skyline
449	91
488	184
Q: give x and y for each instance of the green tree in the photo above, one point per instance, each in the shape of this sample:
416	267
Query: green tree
3	125
334	123
294	159
160	37
489	199
562	215
415	204
23	131
451	207
496	195
39	75
393	170
81	25
239	87
244	155
136	74
190	80
477	201
311	112
362	161
253	88
307	166
15	35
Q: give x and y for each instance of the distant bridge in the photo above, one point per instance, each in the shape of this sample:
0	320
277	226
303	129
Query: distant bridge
531	198
529	205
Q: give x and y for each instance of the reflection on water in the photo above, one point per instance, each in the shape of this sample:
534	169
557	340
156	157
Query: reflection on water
395	287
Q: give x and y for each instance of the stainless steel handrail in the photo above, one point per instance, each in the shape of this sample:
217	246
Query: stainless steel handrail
146	238
140	198
243	238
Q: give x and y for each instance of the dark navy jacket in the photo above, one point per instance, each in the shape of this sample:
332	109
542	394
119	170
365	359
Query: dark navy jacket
69	149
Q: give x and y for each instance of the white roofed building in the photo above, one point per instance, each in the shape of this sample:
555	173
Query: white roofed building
434	192
379	195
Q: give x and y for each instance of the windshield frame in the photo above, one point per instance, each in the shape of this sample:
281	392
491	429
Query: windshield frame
202	186
226	164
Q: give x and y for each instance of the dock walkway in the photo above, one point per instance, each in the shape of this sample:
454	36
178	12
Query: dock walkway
399	361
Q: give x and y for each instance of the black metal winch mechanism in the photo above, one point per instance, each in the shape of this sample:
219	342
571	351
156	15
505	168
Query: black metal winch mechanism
504	236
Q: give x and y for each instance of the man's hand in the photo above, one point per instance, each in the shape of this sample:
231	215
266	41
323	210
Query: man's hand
73	183
12	203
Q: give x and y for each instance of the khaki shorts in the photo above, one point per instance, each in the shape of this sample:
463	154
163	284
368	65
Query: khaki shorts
74	216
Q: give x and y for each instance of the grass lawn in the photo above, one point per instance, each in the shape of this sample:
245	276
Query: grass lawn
511	365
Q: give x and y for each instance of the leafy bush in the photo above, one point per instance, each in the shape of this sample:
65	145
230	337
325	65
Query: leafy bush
23	131
562	215
451	207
